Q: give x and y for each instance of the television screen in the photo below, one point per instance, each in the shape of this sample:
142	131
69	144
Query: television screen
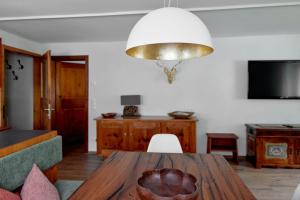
274	79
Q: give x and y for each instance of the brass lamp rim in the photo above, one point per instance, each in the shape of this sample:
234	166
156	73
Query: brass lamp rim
169	51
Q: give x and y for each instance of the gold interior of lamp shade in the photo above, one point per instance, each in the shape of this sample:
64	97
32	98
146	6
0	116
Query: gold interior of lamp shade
169	51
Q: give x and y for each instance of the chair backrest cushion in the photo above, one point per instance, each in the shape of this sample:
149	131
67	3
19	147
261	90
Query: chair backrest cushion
164	143
15	167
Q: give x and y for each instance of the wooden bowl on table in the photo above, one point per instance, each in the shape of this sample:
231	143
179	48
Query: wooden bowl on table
167	184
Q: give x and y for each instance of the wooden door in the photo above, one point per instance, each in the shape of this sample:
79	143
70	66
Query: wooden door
2	86
71	101
48	92
140	133
111	135
185	132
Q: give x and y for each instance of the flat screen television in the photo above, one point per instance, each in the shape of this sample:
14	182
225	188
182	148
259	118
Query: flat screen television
278	79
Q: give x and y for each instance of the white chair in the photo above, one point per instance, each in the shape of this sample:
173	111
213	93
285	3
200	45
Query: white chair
164	143
296	195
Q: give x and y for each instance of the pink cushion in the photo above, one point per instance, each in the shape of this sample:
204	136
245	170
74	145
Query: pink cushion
37	186
7	195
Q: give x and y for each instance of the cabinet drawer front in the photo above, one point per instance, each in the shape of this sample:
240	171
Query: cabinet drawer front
184	131
276	151
112	135
140	133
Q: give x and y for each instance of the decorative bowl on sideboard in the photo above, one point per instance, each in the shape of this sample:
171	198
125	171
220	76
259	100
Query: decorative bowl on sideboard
167	184
181	114
109	115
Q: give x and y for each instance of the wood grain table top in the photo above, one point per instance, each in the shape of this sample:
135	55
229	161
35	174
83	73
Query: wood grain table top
116	178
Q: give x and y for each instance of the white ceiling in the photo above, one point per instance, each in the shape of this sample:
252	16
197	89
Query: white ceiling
99	20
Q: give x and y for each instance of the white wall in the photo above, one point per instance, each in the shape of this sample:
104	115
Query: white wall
215	87
20	42
19	93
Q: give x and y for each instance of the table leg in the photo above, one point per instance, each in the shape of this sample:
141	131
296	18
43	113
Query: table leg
208	145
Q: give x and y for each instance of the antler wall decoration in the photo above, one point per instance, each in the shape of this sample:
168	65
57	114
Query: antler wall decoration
169	72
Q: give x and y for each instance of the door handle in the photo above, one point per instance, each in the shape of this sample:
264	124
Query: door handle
49	109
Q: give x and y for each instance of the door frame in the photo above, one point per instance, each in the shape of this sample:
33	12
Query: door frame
84	58
36	81
37	119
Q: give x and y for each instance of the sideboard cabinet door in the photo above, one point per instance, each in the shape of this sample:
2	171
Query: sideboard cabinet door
296	151
275	151
185	131
112	135
140	133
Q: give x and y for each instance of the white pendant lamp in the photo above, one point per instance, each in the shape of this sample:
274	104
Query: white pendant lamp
169	34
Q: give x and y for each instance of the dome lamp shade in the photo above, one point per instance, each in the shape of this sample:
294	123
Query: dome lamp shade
169	34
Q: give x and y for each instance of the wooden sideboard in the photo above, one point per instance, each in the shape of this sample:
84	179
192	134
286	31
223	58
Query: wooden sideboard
273	145
134	134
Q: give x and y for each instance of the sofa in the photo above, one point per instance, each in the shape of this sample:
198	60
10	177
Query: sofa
15	167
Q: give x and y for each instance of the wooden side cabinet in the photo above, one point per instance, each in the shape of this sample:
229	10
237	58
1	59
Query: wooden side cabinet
273	145
134	134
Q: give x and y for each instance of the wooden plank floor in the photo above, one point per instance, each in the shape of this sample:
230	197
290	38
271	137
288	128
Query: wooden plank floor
269	183
265	183
77	165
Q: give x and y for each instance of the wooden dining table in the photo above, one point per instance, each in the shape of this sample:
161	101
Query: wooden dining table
117	177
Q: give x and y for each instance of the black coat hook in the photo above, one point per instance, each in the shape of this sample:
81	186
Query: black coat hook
21	66
15	76
9	66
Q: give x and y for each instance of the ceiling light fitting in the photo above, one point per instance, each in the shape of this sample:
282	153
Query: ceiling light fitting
167	34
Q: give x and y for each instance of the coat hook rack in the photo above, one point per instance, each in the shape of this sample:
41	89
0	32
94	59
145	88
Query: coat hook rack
13	68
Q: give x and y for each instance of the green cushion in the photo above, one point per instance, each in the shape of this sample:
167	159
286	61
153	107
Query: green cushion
15	167
66	188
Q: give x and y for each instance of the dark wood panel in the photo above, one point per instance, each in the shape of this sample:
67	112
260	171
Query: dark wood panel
2	86
71	58
71	101
37	100
51	173
117	177
111	135
48	91
141	133
183	130
21	51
